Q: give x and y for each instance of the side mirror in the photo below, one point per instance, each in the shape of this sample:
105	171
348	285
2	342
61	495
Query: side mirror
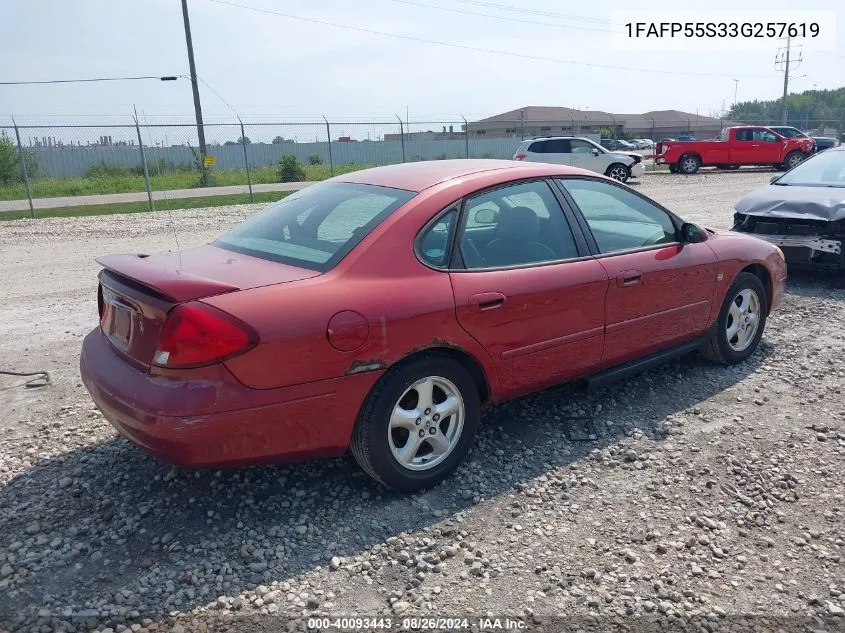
485	216
774	179
692	234
594	151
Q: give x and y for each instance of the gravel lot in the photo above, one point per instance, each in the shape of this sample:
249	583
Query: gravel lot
713	494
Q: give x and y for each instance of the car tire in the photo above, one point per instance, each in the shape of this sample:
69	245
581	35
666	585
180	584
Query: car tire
730	348
689	164
618	171
673	169
793	159
386	423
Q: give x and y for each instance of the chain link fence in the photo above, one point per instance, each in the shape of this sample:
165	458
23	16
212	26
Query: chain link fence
139	163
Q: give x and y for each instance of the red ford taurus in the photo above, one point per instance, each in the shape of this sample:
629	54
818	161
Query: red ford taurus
380	310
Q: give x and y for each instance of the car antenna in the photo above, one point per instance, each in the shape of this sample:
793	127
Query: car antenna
147	178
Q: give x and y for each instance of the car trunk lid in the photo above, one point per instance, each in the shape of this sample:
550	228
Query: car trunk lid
137	292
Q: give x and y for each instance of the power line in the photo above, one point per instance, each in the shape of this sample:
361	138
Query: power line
87	80
548	14
502	17
412	38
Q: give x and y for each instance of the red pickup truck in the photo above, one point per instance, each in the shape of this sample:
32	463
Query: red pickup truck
741	145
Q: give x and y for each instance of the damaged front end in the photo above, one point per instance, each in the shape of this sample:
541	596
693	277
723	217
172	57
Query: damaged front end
806	243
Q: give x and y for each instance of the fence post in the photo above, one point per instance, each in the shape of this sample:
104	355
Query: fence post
23	169
329	137
144	163
402	136
466	134
246	161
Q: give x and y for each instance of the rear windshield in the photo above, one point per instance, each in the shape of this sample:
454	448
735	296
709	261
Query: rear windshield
315	228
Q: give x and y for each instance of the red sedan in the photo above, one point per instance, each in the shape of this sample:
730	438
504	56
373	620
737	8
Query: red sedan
380	310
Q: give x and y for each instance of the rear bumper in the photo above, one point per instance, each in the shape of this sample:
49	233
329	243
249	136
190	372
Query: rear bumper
207	418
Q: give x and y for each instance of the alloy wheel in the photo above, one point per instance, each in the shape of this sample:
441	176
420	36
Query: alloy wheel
689	165
618	173
426	423
743	320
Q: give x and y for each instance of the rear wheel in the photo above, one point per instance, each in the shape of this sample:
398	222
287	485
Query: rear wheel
741	322
618	171
689	164
417	424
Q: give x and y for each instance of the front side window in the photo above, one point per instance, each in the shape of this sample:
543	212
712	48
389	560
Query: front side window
316	227
618	219
521	224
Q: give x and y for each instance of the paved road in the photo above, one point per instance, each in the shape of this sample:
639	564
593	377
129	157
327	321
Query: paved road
139	196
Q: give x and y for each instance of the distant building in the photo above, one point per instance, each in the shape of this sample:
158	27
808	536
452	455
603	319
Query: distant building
532	121
430	135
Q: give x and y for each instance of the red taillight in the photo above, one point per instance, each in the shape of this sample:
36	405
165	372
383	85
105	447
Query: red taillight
195	334
520	156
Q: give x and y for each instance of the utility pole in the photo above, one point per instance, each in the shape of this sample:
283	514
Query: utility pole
736	85
195	87
783	61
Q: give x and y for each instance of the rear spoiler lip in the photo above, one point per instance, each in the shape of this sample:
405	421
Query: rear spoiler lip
174	284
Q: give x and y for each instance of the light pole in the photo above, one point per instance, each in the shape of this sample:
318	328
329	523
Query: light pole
195	88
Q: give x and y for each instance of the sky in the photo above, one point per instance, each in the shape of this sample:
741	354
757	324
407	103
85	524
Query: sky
269	67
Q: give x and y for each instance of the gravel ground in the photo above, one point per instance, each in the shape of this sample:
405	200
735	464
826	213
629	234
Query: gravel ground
713	498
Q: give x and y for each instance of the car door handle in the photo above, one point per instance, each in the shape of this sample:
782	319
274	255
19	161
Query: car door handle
486	301
628	278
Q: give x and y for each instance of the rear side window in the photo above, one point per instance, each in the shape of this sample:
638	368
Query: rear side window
557	146
434	244
538	147
315	228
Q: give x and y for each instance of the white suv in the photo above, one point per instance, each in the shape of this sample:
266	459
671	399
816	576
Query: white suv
581	152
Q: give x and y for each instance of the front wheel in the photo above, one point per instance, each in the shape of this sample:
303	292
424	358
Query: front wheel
741	321
417	424
793	159
619	172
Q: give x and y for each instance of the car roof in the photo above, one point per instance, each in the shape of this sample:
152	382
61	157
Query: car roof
554	138
424	174
421	175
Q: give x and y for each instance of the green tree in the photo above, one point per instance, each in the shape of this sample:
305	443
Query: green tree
808	109
290	170
10	164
